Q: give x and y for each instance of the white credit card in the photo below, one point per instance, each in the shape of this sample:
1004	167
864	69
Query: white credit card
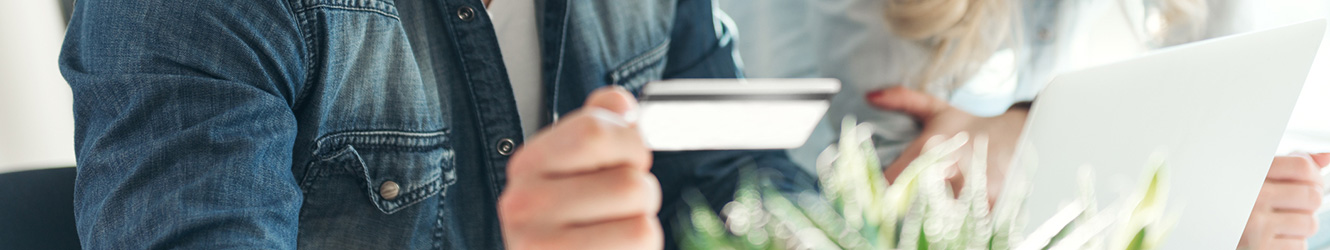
718	114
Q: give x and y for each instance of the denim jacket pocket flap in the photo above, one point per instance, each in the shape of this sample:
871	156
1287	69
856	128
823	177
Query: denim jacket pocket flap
398	168
643	68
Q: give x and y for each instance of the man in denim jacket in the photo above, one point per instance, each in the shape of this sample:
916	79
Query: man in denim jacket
386	124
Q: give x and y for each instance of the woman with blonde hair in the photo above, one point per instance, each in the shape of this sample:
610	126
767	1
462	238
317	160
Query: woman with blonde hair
963	34
917	68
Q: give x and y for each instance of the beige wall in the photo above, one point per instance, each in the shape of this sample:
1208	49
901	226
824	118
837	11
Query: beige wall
36	120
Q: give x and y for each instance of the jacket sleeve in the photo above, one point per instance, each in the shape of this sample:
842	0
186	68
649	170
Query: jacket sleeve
702	46
183	123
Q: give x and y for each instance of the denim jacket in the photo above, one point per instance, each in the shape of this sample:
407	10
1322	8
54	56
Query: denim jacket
350	124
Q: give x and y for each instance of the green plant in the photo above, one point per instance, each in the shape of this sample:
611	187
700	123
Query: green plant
858	209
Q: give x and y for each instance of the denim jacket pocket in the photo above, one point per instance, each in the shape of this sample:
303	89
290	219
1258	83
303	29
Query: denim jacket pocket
648	66
395	169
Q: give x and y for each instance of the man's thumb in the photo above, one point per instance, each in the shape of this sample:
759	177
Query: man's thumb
614	98
919	105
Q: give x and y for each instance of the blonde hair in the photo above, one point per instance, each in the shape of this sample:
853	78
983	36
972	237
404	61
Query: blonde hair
1182	21
961	34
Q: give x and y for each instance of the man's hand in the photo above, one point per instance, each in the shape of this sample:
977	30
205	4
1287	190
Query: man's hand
939	118
1285	212
584	183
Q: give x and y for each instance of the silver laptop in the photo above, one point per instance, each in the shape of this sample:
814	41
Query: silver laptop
1214	110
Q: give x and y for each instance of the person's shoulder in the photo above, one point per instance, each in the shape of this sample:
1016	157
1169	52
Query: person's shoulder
147	24
182	14
174	37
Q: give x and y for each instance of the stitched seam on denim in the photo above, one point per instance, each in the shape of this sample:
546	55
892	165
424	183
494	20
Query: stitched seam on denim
383	139
392	132
451	175
636	65
310	51
309	178
351	8
308	184
438	218
634	82
385	5
642	61
471	87
362	172
388	142
412	196
300	31
339	153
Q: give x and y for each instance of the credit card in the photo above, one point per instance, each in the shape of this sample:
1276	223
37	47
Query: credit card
723	114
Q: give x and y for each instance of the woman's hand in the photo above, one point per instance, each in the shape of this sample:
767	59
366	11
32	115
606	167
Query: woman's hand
1285	212
1283	217
939	118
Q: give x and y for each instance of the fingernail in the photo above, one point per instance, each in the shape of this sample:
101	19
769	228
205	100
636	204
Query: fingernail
632	115
628	98
607	116
626	95
1305	154
1322	159
875	94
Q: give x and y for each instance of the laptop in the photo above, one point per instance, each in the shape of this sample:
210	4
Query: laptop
1213	111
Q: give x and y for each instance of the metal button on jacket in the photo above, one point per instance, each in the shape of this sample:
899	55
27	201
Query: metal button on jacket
466	13
506	146
389	190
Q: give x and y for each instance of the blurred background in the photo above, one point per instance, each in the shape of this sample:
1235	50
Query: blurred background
777	38
36	110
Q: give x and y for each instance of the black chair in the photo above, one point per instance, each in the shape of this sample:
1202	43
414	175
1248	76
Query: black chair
37	209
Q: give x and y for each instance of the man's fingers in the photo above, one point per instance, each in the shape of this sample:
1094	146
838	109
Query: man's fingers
1294	169
601	134
1293	197
614	98
1291	225
583	199
582	142
584	183
639	232
919	105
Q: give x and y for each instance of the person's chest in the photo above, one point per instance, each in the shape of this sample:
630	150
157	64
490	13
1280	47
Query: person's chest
407	116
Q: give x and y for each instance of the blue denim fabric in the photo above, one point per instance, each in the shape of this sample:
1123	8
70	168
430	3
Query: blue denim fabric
274	124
